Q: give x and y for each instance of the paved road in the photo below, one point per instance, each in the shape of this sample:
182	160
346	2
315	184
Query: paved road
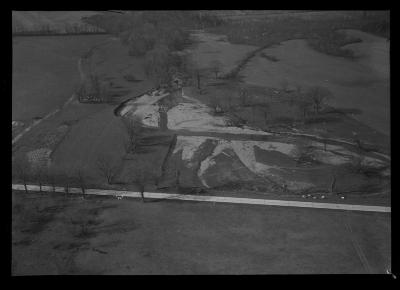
215	199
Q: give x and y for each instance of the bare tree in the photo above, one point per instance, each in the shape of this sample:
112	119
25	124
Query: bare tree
21	169
318	96
52	176
159	64
254	113
107	168
81	178
216	67
243	97
65	178
336	173
333	183
39	174
177	179
296	96
226	103
141	178
133	130
198	75
304	104
265	109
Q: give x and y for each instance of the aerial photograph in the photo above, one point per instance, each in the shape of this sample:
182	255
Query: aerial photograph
201	142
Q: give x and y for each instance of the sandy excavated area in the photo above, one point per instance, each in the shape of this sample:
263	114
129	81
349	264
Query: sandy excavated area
188	146
198	118
145	108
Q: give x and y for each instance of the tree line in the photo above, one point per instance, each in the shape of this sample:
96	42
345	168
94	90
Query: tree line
54	177
320	32
158	36
47	29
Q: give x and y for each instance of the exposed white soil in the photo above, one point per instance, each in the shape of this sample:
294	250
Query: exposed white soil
209	161
244	150
194	100
149	115
284	148
188	145
145	108
193	116
198	118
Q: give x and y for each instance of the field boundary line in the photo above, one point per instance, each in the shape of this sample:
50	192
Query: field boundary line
357	247
35	123
205	198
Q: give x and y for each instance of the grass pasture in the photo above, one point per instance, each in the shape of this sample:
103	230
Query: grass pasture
54	234
45	72
52	77
351	82
211	47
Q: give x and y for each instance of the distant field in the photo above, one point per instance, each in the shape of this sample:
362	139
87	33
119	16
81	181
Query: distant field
363	83
211	47
45	72
35	20
248	15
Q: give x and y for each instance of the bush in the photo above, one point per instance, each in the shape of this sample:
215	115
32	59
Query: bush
92	91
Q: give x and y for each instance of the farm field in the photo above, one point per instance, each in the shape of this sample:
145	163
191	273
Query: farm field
78	128
34	20
213	151
67	235
186	103
211	47
90	131
364	81
45	72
